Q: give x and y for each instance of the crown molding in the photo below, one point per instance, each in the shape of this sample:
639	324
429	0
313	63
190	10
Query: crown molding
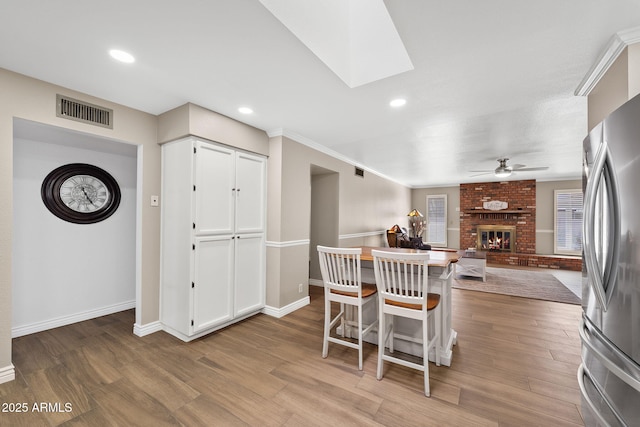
329	152
614	48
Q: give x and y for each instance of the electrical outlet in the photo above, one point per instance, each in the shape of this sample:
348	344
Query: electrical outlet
300	288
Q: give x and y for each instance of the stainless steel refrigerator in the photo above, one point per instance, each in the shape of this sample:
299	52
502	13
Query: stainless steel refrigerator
609	375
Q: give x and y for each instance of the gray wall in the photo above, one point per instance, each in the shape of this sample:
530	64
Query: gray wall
367	207
325	202
419	201
620	83
544	211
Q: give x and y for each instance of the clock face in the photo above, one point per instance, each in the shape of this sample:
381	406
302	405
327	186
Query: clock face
80	193
84	193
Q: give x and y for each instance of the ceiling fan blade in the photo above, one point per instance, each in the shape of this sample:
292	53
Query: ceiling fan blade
541	168
517	166
481	173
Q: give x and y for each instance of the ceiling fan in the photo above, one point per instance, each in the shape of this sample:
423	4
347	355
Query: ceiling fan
504	170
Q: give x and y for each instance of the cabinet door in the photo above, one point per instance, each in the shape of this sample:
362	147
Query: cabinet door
250	273
250	193
214	183
213	282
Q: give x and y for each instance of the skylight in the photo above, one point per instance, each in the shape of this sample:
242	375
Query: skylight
356	39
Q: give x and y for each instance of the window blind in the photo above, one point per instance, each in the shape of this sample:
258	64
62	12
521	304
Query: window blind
568	222
437	220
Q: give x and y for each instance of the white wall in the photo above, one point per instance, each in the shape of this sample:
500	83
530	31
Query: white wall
64	272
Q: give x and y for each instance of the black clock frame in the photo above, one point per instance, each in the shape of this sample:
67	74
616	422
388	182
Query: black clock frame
50	192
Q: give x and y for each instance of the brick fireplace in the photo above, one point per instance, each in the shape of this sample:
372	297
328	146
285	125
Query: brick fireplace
519	217
520	213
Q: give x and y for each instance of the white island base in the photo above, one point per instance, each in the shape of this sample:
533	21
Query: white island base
408	332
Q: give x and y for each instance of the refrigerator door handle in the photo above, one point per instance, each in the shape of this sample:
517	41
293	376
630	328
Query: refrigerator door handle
603	280
595	411
614	360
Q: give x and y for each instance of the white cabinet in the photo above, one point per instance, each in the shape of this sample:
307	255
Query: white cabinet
214	180
250	271
213	236
212	282
250	193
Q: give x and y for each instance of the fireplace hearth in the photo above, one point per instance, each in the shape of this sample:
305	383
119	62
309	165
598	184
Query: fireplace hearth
496	238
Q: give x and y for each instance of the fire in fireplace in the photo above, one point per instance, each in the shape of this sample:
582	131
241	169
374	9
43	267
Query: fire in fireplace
500	238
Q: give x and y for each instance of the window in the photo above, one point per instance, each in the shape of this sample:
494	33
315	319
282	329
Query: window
437	220
568	222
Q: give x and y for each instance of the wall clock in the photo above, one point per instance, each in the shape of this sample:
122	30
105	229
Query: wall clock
80	193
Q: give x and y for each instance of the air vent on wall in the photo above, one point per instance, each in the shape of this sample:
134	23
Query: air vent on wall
73	109
359	172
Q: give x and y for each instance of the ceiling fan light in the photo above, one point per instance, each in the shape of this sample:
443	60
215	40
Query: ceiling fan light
502	172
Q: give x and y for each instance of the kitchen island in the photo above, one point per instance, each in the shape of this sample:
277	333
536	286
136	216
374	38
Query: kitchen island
408	332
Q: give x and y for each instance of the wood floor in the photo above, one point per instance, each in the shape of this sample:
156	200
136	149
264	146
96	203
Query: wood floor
514	364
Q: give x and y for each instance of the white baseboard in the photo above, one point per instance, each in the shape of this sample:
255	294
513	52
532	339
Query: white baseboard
69	319
316	282
8	373
148	329
186	338
281	312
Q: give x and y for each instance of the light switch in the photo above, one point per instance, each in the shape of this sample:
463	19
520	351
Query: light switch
154	200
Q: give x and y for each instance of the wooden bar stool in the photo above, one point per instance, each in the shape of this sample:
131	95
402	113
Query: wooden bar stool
341	275
403	290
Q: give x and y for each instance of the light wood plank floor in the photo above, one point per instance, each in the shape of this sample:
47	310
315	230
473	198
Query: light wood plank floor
514	365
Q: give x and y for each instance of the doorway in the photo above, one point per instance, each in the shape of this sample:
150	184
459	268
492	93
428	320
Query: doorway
64	272
324	222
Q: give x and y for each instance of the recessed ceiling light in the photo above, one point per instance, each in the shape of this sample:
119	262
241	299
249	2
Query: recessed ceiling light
245	110
398	102
122	56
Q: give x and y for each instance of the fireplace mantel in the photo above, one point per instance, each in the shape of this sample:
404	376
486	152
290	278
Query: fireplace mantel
500	214
480	211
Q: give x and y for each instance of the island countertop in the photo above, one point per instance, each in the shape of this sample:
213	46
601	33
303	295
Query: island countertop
436	258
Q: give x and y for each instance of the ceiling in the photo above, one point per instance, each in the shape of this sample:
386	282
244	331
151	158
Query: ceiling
489	79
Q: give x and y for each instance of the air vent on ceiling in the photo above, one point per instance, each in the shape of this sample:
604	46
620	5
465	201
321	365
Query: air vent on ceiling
73	109
359	172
